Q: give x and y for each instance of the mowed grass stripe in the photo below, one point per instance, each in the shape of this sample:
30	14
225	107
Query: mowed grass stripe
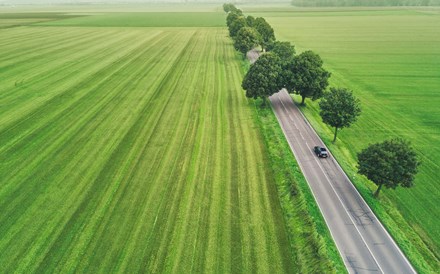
174	211
176	154
40	69
67	98
34	47
263	247
136	165
23	36
55	76
102	266
188	239
49	125
117	91
109	176
214	240
137	190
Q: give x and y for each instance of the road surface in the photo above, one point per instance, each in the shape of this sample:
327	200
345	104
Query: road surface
364	244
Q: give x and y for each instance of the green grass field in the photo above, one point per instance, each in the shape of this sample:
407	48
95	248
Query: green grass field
390	58
135	150
145	19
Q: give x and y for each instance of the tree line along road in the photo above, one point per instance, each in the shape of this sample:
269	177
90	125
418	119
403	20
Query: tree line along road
364	244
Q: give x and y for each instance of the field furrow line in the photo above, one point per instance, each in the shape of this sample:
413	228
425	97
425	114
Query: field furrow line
235	179
13	60
176	173
23	36
208	157
140	150
186	239
139	120
217	218
110	112
57	78
48	115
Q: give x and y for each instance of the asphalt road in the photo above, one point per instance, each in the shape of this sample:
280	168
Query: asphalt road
364	244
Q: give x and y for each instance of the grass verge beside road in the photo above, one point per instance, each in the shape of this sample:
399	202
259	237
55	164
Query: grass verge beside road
422	258
390	60
311	241
310	237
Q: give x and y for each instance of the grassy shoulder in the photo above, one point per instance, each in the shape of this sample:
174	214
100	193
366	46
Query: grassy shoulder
311	243
418	250
309	235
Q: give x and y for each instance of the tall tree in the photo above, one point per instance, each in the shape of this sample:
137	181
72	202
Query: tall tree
246	39
263	78
236	26
391	163
339	108
229	7
250	20
285	50
232	16
309	78
266	32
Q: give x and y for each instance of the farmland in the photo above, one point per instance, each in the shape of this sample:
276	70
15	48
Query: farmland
390	58
133	149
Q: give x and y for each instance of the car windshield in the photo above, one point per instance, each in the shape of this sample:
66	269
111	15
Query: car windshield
322	149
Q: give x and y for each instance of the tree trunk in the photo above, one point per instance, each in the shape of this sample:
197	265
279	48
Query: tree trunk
264	101
376	193
302	100
336	134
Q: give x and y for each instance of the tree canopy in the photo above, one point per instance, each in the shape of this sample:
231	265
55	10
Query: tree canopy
229	7
232	16
391	163
246	39
339	108
236	26
309	78
265	30
250	20
284	50
262	79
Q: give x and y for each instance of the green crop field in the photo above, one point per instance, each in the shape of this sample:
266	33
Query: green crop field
390	58
146	19
135	150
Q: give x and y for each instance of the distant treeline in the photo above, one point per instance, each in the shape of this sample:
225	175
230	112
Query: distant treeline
363	3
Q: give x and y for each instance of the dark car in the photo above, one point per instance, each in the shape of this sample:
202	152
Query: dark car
321	151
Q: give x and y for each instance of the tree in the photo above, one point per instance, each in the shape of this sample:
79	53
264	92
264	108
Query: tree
250	20
236	26
246	39
339	108
390	163
262	79
232	16
285	50
229	7
265	30
309	78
